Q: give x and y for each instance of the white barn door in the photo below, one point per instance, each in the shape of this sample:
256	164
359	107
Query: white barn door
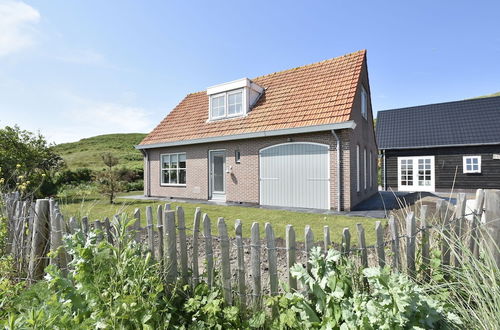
295	174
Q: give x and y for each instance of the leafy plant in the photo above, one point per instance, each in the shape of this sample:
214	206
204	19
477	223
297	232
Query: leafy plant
337	297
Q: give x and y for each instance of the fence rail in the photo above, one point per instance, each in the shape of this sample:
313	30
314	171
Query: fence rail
189	253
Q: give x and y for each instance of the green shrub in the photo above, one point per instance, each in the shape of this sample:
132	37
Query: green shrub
77	176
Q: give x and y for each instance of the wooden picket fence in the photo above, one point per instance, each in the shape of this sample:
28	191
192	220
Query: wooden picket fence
35	228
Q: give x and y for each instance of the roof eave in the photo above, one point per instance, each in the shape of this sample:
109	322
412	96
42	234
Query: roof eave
350	124
441	146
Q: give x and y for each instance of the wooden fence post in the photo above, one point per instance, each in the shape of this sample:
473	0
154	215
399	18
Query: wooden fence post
272	262
346	241
476	220
425	241
255	261
225	262
182	244
291	250
326	238
379	230
196	230
459	228
309	241
241	263
443	213
272	259
159	225
362	245
171	245
85	226
150	231
98	228
137	225
209	254
411	229
393	227
40	242
492	225
109	231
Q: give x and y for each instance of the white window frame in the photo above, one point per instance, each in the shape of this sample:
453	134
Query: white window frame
242	103
357	169
226	104
472	157
415	186
364	103
364	167
163	184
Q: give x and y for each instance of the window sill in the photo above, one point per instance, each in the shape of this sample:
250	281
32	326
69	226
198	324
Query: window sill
172	185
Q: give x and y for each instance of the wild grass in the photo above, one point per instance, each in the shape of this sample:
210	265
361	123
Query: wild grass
87	152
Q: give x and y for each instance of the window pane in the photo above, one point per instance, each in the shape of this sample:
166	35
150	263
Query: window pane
182	176
234	103
182	160
218	104
173	176
165	177
165	161
173	161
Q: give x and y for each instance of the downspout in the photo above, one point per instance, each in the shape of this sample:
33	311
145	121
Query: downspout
339	208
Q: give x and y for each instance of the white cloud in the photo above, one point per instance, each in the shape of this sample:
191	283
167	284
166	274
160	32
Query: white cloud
113	117
17	21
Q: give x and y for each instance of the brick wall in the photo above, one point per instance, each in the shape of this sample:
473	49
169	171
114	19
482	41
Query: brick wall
242	184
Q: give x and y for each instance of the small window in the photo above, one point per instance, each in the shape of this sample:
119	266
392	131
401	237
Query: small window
237	156
357	168
365	177
234	103
173	169
472	164
218	104
227	104
364	103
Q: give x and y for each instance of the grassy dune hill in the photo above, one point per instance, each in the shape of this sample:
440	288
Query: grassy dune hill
490	95
87	152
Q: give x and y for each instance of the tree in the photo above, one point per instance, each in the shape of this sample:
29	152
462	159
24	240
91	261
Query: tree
108	180
27	157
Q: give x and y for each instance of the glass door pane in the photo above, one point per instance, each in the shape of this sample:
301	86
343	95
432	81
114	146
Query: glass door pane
218	165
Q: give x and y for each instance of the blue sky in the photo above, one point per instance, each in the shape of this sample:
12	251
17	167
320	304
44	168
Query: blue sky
75	69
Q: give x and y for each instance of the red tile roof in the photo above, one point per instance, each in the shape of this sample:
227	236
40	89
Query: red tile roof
314	94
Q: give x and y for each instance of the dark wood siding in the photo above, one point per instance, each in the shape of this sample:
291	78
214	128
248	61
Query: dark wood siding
448	161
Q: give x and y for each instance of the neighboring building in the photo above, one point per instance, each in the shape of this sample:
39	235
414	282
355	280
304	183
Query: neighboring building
439	147
273	140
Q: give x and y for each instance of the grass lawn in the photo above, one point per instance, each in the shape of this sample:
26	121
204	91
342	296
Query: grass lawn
99	208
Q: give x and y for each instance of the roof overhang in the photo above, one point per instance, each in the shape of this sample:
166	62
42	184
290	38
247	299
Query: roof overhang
350	124
443	146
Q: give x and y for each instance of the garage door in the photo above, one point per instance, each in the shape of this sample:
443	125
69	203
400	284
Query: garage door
295	175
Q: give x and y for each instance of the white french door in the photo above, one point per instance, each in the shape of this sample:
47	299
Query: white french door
416	173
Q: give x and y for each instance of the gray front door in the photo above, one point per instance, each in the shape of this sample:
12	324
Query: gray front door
217	174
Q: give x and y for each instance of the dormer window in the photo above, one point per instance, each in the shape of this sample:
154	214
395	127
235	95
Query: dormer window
228	104
233	99
218	103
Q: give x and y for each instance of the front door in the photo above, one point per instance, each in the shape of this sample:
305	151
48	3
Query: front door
217	176
416	173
